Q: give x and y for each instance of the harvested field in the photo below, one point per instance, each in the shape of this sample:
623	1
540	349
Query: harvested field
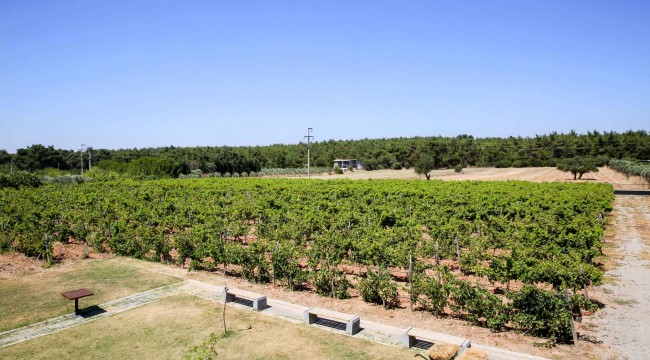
534	174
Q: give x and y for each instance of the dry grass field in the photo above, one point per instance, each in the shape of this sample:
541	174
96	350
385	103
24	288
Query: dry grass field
534	174
33	296
167	328
164	329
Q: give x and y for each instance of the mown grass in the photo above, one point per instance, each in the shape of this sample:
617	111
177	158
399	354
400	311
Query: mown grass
167	328
34	297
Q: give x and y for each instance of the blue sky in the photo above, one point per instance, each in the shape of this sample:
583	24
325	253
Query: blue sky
123	74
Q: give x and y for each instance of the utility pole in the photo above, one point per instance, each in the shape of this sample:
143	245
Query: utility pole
81	156
309	136
90	156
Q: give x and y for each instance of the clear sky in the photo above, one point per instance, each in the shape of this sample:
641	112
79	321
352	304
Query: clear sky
118	74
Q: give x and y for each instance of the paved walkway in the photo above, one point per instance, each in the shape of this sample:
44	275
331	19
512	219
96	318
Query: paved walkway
372	331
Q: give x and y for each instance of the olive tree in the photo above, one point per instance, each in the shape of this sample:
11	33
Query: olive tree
578	166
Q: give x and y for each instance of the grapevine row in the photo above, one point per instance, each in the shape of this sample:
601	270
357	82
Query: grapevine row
465	237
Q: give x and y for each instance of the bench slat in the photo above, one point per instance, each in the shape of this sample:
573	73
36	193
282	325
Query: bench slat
333	315
245	294
352	322
433	337
259	300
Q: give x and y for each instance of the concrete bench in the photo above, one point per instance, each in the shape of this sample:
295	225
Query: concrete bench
352	322
411	335
259	300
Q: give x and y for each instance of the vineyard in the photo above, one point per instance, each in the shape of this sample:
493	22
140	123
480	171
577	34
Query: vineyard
493	253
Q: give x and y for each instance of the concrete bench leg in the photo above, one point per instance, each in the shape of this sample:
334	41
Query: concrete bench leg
353	326
308	318
466	345
259	304
407	340
227	297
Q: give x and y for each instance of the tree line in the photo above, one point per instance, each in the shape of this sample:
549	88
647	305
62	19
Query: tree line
386	153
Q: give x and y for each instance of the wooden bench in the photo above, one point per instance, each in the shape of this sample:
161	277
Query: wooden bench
259	300
411	335
352	322
76	295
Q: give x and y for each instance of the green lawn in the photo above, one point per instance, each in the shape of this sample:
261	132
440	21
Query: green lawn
35	297
167	328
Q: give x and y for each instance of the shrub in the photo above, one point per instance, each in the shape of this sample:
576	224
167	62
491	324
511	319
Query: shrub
377	287
66	179
253	263
286	265
5	243
458	168
371	164
19	179
631	168
541	313
337	170
331	282
434	294
477	305
184	247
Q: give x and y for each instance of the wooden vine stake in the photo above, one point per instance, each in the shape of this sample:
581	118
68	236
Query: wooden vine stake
573	324
277	245
584	284
438	263
411	282
457	250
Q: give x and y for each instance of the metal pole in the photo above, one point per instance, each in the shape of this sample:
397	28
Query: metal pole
89	157
309	136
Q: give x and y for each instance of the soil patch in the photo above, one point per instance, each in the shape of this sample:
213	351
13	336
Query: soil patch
13	264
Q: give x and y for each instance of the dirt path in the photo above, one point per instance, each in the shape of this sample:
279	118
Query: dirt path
624	324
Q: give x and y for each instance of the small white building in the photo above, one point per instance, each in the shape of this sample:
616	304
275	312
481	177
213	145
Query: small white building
345	164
